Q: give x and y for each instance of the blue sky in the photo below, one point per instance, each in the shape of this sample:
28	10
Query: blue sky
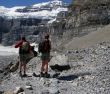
11	3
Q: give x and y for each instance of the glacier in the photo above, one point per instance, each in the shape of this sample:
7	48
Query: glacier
45	10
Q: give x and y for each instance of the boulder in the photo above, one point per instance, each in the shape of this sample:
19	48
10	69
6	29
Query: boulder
8	92
18	90
14	67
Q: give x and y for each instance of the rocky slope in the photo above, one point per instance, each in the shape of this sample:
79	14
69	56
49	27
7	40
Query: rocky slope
84	17
87	56
89	73
100	35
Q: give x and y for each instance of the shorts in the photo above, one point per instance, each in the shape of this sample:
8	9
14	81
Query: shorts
45	56
23	58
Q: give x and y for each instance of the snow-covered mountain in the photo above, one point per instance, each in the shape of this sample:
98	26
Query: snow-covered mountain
46	10
29	20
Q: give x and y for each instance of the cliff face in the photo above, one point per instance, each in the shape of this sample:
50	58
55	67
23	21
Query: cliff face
12	29
84	16
89	12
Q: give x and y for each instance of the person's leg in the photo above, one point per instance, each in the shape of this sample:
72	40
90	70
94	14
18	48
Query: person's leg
20	67
24	66
24	69
46	66
21	63
42	67
46	69
24	59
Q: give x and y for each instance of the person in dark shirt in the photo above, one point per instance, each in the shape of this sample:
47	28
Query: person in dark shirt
44	49
23	55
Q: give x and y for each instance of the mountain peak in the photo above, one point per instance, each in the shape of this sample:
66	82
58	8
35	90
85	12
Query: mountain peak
48	10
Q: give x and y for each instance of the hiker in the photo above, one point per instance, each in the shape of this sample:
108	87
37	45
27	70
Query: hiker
24	50
44	48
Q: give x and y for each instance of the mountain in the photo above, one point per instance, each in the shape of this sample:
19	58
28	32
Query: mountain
30	21
46	10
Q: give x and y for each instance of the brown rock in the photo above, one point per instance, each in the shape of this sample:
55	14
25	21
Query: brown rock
8	92
14	67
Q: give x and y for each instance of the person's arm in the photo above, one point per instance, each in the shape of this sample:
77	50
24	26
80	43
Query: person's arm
30	47
18	44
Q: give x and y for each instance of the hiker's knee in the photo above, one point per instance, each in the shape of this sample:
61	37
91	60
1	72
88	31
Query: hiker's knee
43	63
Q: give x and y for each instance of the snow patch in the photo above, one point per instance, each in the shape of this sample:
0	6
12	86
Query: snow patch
11	50
45	10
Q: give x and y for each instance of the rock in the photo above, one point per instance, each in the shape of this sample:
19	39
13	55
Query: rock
29	87
1	92
75	84
54	90
59	60
8	92
89	77
45	92
18	90
47	84
5	73
22	93
8	66
1	71
14	67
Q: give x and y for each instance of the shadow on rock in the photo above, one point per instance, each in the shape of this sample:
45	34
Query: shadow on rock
72	77
60	68
68	78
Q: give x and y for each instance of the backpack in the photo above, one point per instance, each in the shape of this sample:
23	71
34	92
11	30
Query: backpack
25	47
44	46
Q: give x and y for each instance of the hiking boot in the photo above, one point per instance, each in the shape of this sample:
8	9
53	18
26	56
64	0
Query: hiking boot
46	75
20	74
24	75
34	74
42	74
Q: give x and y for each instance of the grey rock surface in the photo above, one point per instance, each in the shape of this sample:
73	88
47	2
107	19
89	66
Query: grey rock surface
89	74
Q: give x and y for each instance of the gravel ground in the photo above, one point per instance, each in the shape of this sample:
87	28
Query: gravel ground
4	62
89	73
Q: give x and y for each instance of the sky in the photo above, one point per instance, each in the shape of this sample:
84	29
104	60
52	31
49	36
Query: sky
12	3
